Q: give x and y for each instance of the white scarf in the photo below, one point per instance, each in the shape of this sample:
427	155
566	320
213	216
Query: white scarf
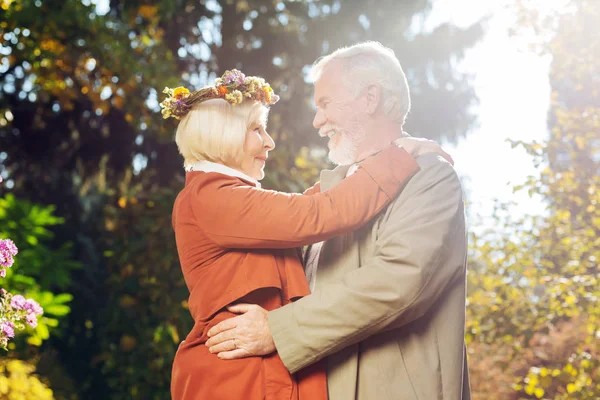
209	166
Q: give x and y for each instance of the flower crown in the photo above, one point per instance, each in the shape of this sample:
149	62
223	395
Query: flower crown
233	87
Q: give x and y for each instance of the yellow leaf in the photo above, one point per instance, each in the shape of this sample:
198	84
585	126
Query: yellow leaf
148	11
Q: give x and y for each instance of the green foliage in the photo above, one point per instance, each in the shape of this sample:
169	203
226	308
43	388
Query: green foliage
534	286
41	269
146	286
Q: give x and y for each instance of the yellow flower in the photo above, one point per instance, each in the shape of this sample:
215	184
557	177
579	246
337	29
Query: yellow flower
180	92
267	91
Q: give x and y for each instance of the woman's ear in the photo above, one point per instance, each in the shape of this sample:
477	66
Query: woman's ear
373	93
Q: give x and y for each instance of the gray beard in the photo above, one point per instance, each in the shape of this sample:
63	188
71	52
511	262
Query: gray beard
346	152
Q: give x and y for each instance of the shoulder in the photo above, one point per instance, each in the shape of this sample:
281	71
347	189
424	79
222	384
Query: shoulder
212	188
434	170
206	181
436	184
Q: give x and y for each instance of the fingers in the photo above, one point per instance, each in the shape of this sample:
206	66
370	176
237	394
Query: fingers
448	157
223	326
418	146
240	308
228	345
221	337
234	354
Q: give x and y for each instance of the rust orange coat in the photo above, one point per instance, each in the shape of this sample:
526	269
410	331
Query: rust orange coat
238	243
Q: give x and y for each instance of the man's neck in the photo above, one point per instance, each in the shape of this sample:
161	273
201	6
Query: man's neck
379	138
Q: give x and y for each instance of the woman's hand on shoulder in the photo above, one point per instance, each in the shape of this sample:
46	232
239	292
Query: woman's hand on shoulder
418	146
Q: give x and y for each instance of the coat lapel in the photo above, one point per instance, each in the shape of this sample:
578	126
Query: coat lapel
330	178
342	366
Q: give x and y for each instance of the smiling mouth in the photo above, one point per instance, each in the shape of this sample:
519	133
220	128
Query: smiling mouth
329	133
263	159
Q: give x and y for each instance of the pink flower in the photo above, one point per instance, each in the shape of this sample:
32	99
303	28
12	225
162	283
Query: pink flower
33	307
9	246
2	273
31	320
18	302
8	329
7	251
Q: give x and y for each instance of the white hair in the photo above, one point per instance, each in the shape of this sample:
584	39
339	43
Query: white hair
371	63
215	130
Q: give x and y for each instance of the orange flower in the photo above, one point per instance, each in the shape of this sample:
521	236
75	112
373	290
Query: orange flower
222	90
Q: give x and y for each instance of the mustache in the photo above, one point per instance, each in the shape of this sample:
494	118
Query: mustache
329	127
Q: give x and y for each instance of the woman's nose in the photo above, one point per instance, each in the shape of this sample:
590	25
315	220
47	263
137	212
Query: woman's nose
269	142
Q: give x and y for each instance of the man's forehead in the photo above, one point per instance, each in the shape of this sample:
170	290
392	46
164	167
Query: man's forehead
328	79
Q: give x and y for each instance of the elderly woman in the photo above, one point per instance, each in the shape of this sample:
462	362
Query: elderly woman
239	243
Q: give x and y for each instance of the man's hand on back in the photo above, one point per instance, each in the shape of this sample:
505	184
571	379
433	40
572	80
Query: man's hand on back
243	336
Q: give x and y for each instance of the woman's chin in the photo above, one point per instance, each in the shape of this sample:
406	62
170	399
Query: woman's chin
258	175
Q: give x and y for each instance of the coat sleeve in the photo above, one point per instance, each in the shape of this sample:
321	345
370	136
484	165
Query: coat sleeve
403	280
316	188
235	215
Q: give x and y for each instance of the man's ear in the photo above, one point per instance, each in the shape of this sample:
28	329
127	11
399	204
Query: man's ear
373	93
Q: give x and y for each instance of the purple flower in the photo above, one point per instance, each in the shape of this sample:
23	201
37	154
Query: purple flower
8	328
7	251
233	76
31	320
6	260
33	307
18	302
8	246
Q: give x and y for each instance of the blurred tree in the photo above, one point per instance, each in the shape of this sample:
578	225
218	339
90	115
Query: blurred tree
80	128
533	295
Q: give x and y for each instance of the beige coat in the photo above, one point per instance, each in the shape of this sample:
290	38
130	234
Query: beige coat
389	305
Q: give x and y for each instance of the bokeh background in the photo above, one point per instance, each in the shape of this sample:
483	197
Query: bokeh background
511	88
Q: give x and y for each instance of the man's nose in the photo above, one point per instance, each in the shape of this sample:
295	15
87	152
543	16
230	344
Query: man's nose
319	119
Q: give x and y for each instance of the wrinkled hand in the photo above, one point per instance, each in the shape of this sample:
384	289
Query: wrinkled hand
418	147
243	336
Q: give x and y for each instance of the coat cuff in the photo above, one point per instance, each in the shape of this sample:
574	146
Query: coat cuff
395	160
285	337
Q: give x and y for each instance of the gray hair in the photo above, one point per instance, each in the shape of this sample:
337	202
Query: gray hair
371	63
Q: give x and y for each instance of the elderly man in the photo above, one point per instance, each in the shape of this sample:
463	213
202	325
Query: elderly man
388	301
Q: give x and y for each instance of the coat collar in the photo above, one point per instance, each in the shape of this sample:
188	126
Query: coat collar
209	166
330	178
